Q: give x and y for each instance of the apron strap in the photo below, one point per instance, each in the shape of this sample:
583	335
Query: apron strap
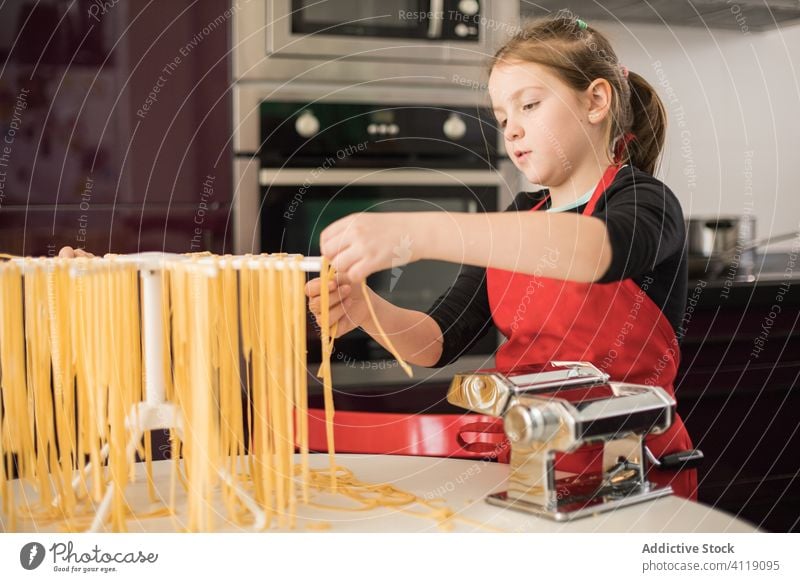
541	202
600	189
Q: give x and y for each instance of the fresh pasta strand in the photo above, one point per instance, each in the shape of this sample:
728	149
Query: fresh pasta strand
389	345
301	387
327	381
369	496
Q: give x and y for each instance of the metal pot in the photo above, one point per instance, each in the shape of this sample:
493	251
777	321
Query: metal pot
725	244
712	236
714	242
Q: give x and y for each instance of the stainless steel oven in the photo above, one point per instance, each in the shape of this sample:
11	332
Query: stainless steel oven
297	204
317	161
423	32
348	106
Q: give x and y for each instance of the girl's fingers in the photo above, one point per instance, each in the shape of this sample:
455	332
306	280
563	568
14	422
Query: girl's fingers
340	311
342	319
336	298
344	262
70	253
335	312
358	271
332	230
340	294
335	245
314	287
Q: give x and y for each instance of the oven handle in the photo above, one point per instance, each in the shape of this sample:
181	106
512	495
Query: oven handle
436	16
377	177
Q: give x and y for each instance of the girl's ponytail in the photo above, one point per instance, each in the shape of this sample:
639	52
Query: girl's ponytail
648	125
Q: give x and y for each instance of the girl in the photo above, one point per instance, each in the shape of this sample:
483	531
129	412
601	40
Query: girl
592	267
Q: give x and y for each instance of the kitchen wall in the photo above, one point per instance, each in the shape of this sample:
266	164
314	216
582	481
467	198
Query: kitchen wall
733	101
116	123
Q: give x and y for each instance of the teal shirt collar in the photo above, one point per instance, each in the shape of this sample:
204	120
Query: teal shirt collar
575	204
580	201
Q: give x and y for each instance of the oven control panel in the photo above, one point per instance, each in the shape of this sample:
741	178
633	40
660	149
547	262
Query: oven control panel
297	133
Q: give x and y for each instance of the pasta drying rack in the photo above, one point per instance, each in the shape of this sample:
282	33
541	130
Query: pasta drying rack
155	413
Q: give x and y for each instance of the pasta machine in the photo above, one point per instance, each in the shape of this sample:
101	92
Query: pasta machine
558	407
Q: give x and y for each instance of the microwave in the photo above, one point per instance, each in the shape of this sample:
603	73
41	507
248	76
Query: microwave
428	32
434	20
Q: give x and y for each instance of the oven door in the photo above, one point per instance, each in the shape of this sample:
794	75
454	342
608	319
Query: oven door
298	203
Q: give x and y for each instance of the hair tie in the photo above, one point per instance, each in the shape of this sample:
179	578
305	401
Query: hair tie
581	24
624	71
622	145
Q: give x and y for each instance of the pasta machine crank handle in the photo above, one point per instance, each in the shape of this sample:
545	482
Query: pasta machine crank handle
677	461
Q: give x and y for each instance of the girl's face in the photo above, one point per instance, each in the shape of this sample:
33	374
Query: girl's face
545	123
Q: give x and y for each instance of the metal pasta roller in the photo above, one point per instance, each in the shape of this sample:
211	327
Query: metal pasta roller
556	408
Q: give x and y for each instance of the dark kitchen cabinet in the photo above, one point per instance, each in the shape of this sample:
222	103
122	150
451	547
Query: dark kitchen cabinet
92	150
739	394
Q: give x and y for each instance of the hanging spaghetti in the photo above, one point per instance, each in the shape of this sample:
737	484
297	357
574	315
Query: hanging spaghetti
235	360
327	275
65	399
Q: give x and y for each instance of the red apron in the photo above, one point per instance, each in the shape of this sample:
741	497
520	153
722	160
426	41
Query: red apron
616	326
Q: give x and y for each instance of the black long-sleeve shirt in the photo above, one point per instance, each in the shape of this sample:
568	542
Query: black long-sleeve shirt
647	234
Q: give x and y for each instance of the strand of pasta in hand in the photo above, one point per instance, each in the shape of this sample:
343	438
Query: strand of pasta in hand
389	344
327	273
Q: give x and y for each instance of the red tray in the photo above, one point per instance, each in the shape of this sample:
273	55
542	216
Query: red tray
466	436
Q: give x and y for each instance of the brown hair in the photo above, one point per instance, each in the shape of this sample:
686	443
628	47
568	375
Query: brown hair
579	54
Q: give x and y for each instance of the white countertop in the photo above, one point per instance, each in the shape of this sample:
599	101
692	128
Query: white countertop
462	483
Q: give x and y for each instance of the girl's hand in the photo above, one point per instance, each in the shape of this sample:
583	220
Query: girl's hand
347	305
361	244
70	253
